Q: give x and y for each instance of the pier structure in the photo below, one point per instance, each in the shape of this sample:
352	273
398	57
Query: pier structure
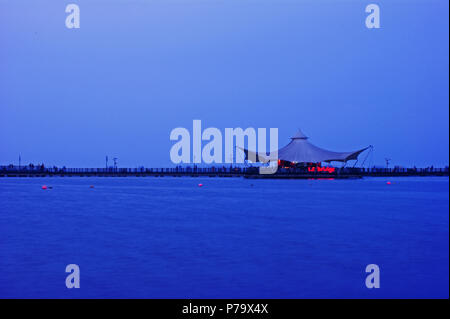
246	172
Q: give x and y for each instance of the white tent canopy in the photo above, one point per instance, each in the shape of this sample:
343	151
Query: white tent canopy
300	150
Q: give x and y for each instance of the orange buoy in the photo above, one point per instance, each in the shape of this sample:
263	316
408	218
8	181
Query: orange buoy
44	186
389	183
200	185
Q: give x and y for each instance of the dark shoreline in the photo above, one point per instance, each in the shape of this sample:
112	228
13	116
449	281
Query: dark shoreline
247	172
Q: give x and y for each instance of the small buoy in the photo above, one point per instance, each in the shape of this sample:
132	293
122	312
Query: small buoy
389	183
200	185
92	186
44	186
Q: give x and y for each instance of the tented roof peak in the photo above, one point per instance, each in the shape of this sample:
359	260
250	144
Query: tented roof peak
299	135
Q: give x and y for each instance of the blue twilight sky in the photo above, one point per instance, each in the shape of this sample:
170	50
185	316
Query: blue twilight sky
137	69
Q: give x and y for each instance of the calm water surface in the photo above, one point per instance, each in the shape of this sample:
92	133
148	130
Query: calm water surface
232	238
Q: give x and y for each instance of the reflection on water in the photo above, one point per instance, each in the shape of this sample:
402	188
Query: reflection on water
231	238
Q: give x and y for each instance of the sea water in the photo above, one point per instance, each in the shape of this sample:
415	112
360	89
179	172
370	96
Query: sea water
167	237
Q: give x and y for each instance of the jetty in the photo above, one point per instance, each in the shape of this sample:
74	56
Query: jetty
231	171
